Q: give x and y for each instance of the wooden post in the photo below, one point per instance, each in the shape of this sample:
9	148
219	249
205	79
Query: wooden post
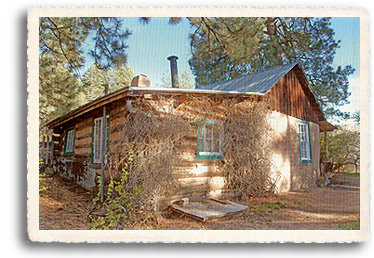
326	148
47	152
103	145
52	144
42	150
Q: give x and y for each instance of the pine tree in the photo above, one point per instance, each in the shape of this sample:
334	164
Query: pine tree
230	47
95	79
63	45
224	48
185	81
58	91
63	37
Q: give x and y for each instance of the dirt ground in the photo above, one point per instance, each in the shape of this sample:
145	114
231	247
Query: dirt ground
64	206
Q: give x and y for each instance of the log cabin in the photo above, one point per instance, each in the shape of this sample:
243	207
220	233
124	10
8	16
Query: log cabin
295	118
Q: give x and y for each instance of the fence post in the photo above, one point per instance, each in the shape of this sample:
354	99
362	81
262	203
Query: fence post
52	143
42	150
47	152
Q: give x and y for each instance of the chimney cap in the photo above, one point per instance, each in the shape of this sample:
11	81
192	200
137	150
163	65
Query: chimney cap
172	57
141	81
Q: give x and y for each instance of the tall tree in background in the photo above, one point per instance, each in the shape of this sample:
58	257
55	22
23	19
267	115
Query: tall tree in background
94	79
58	91
61	55
224	48
185	80
344	148
230	47
64	37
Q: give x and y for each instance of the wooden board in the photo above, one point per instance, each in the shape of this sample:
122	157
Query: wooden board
208	209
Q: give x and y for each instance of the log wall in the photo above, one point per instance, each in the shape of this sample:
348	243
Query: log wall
79	166
196	178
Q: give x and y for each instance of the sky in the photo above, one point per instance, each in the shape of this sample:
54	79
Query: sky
348	31
151	44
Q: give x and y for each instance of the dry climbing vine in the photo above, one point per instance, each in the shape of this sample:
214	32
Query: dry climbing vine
150	140
246	163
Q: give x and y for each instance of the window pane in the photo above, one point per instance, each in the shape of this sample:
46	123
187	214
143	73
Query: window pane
210	138
303	150
207	144
201	137
216	139
303	130
69	145
208	132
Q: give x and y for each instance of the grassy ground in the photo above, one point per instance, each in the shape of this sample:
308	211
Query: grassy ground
349	174
352	225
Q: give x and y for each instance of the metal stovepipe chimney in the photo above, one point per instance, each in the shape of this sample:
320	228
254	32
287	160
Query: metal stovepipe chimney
174	71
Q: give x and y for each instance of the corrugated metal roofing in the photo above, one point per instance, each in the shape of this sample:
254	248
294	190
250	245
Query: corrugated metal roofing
259	82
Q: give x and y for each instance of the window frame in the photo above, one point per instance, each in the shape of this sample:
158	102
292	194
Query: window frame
94	159
209	155
308	146
67	151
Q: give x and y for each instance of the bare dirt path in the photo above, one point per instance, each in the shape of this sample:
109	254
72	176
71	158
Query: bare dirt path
64	206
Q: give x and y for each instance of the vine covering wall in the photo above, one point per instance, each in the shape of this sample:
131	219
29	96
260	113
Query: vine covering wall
153	136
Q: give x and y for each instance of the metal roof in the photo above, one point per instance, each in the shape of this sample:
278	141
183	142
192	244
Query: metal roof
259	82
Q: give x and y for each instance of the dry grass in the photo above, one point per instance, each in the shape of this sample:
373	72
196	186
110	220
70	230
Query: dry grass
64	206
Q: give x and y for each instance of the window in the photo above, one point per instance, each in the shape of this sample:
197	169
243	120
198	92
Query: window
304	141
96	138
69	142
210	138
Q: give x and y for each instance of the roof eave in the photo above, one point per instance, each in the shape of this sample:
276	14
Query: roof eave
321	115
325	126
88	107
193	91
128	91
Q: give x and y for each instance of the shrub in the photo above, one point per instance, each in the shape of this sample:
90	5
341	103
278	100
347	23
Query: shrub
119	206
44	179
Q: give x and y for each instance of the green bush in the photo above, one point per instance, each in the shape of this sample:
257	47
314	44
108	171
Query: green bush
119	205
44	180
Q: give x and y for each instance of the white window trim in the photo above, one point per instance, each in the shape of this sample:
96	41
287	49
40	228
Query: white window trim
202	125
303	130
96	139
69	145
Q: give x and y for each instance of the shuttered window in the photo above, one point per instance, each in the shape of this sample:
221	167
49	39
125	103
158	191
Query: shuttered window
304	141
210	138
69	142
96	138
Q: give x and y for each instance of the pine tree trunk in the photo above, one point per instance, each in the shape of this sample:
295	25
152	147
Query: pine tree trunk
271	30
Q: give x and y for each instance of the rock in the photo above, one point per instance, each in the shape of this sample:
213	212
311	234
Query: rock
48	170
